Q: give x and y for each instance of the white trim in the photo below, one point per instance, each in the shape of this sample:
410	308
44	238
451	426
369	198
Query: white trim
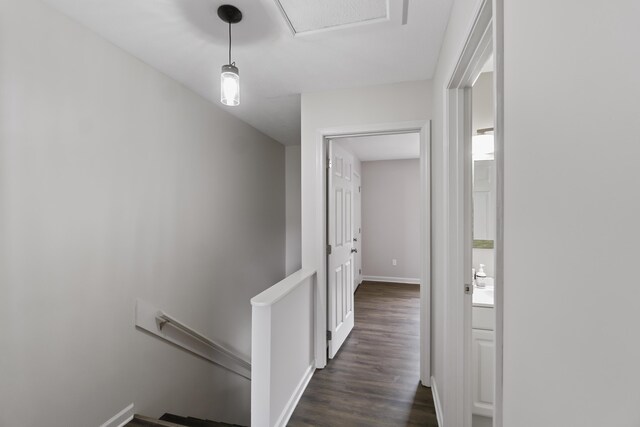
436	401
267	358
479	44
297	394
425	254
278	291
396	16
121	418
410	281
498	81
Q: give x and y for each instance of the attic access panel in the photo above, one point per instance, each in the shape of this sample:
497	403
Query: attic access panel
313	16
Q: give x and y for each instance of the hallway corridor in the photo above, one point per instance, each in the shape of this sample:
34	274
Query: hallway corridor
374	379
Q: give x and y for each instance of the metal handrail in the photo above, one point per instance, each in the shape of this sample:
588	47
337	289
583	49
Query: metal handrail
163	319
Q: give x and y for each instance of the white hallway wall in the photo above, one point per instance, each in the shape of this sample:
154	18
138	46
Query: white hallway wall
571	152
571	199
293	208
391	218
117	183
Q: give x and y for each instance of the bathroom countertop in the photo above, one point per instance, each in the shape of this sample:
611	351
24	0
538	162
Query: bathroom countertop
483	297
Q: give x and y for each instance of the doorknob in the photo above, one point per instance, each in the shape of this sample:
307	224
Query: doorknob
354	250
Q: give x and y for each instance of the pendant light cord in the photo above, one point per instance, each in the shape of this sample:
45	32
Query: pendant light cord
230	43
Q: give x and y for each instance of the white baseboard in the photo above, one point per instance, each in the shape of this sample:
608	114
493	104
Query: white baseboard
295	397
436	401
408	280
121	418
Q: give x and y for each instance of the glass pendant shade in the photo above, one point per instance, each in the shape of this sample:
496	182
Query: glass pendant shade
230	85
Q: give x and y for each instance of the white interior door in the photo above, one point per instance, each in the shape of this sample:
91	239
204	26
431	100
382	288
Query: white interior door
340	238
357	228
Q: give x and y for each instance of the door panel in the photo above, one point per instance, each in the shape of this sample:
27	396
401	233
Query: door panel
348	234
339	217
340	221
483	359
357	232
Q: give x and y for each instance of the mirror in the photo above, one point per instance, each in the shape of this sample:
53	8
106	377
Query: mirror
484	195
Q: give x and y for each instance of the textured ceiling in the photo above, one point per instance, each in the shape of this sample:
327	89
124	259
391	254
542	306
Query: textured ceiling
310	15
383	147
187	41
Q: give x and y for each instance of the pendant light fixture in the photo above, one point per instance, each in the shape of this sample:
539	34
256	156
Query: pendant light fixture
229	77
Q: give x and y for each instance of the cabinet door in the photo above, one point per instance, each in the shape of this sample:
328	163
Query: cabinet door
483	356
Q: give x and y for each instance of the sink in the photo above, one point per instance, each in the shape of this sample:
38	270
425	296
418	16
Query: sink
483	297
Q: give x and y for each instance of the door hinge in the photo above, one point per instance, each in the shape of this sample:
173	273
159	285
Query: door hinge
358	188
468	289
328	335
328	249
329	163
359	271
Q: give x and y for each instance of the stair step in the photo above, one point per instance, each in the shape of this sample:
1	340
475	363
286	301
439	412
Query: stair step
194	422
171	420
142	421
174	419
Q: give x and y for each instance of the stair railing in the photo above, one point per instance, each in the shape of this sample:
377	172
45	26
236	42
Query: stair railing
167	327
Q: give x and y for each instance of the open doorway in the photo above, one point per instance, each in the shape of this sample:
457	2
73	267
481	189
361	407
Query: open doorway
386	189
315	243
483	45
373	223
377	234
484	203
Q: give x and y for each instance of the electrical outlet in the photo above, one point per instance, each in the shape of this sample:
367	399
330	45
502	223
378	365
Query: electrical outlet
394	262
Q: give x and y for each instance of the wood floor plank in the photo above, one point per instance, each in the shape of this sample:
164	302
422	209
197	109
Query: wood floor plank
375	378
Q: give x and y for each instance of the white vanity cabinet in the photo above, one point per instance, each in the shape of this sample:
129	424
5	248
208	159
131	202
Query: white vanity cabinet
483	360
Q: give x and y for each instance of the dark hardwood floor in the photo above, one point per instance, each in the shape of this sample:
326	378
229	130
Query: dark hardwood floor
374	379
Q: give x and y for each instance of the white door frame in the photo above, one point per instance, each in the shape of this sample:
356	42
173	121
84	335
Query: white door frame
484	39
424	129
